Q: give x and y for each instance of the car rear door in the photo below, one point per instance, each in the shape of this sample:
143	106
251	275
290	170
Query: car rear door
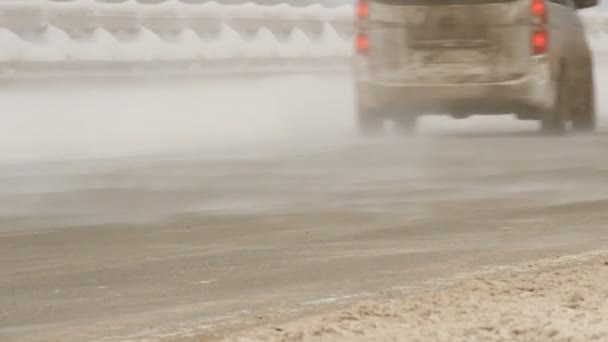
448	41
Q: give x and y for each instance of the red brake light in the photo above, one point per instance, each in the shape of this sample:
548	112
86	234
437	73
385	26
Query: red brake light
363	9
540	42
362	39
362	43
539	11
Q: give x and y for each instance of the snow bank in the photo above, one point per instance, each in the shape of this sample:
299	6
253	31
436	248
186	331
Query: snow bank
297	45
552	300
11	46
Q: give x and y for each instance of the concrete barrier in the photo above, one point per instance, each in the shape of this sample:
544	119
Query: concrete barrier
206	20
87	32
23	17
164	19
76	18
122	20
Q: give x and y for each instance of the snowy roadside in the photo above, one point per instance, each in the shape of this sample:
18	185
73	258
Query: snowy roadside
562	299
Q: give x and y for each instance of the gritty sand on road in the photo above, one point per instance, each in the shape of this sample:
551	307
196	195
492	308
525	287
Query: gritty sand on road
554	300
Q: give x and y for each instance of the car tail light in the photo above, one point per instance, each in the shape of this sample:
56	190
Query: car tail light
539	11
540	34
362	39
362	43
363	9
540	42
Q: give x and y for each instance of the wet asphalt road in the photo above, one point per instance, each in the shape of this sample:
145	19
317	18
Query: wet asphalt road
154	246
280	212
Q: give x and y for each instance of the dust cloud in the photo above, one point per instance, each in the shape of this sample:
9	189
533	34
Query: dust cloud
113	119
213	117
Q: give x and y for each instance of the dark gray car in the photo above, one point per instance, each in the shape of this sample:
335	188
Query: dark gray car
466	57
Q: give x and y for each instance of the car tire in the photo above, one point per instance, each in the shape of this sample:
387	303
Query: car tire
584	119
553	121
370	123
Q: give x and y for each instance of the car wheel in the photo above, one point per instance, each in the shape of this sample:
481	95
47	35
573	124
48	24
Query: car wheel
584	119
553	122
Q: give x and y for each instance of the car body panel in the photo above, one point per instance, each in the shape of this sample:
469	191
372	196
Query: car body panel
464	57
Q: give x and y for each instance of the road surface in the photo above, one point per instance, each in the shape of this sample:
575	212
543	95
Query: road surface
147	247
245	229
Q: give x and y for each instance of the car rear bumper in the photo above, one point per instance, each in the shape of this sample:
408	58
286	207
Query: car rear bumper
529	95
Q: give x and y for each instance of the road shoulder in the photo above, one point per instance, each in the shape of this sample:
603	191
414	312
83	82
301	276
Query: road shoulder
552	299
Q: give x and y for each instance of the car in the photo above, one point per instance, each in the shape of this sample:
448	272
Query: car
530	58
